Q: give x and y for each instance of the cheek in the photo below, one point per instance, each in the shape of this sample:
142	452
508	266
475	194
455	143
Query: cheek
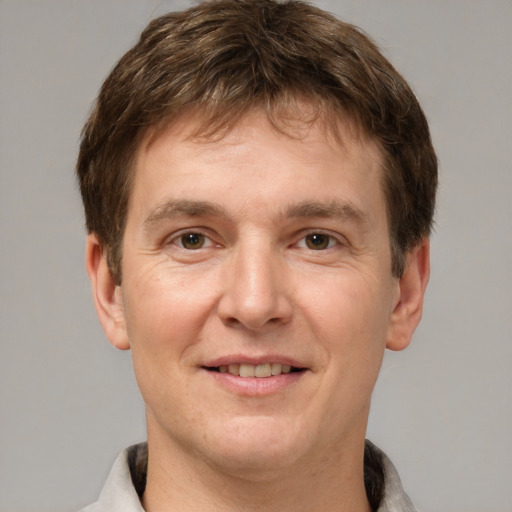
164	319
348	306
161	299
350	317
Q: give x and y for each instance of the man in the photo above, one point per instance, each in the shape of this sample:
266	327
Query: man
259	186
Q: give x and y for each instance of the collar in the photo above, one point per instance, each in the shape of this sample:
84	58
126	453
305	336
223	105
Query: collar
127	480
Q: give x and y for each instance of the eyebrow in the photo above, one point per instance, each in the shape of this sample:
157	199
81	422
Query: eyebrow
305	209
183	207
331	209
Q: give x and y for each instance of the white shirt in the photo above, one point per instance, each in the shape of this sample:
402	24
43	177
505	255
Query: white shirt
127	479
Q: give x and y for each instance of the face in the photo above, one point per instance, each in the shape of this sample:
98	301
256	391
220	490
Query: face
257	295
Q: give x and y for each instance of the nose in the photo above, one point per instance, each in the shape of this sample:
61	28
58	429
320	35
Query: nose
255	290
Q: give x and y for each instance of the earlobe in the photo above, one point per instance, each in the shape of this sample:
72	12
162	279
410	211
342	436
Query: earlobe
408	309
106	295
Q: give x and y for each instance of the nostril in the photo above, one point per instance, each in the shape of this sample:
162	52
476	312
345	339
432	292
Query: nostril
246	320
232	322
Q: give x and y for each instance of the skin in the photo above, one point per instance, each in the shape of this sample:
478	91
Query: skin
253	288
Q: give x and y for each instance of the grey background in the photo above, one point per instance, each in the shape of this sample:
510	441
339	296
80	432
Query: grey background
68	401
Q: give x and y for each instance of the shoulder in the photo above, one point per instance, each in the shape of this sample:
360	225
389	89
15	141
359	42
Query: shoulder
125	483
383	485
94	507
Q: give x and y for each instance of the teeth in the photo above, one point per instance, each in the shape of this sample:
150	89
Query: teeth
276	368
263	370
247	370
234	369
258	370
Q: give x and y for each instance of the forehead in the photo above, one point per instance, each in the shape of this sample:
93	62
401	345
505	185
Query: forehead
293	149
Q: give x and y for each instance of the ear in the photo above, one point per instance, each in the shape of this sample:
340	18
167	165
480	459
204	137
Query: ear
106	295
411	290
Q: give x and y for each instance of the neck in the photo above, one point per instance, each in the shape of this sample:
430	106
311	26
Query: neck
179	480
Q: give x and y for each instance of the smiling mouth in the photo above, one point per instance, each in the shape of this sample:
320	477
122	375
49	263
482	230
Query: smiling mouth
255	370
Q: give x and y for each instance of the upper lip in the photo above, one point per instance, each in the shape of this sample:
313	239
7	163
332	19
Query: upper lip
253	360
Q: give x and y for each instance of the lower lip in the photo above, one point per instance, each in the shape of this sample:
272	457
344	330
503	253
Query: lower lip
256	386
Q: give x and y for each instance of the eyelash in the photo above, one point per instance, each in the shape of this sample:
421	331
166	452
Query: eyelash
178	239
332	241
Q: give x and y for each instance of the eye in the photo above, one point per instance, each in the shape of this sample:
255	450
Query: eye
317	241
193	241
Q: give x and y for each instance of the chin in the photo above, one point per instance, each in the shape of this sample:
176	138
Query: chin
256	446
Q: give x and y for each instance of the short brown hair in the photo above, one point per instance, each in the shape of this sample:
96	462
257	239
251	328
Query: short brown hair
226	57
